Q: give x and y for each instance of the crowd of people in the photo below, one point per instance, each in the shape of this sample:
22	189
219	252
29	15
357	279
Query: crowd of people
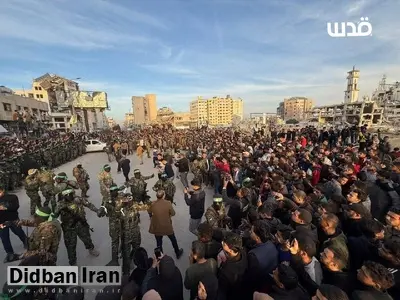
296	214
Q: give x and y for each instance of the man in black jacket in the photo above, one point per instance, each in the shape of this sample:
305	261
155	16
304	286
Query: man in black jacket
183	167
9	205
195	200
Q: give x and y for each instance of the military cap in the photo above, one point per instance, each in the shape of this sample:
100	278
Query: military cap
136	171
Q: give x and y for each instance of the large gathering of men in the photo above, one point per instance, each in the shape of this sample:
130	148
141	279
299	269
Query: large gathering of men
271	213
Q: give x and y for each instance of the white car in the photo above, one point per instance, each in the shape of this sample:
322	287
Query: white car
95	146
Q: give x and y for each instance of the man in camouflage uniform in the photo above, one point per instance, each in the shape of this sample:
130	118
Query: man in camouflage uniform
105	180
74	223
215	214
46	180
82	178
167	185
32	185
196	170
62	184
138	186
122	212
45	238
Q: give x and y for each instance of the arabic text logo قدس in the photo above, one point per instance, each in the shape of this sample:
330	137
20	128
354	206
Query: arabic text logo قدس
363	28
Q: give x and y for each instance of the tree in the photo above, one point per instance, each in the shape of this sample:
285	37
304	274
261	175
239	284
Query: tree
292	121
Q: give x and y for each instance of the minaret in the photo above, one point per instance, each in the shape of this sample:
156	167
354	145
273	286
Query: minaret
351	93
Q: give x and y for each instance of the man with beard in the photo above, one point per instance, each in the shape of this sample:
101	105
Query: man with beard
334	264
233	266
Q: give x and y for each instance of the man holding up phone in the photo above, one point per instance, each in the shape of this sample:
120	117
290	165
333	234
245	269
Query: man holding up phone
195	200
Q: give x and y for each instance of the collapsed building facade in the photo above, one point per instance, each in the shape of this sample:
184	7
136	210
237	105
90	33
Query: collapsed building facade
382	109
167	117
79	110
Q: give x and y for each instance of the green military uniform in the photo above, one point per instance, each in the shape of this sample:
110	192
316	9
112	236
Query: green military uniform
46	179
82	178
138	186
44	239
216	217
105	180
122	213
167	186
62	184
32	185
74	223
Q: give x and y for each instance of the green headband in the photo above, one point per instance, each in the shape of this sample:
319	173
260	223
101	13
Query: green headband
113	188
217	199
66	192
61	177
41	213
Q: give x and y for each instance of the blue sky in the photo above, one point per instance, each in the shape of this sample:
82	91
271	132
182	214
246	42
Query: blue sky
261	51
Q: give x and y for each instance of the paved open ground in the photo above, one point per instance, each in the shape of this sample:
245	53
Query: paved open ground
93	163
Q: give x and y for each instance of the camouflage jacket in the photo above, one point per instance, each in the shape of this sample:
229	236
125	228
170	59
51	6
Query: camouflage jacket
195	168
139	185
168	186
215	218
127	212
32	183
46	178
73	211
80	175
105	181
44	239
62	186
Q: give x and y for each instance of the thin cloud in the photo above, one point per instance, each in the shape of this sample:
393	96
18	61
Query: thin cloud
271	49
171	69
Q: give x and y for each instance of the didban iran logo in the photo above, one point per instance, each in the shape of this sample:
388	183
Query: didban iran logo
363	28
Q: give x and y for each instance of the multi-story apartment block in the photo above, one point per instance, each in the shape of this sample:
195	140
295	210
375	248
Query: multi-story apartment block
216	111
295	108
144	108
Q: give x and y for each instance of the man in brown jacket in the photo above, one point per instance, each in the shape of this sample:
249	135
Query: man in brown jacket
161	212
